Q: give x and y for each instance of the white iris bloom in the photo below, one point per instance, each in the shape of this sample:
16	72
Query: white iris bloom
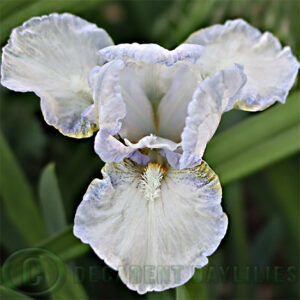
156	214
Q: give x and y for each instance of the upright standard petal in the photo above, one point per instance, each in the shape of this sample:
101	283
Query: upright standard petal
142	94
184	112
156	86
153	225
270	69
214	96
151	53
52	56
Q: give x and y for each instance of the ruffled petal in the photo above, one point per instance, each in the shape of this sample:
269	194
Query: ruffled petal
214	96
151	53
110	149
156	86
110	110
270	69
151	224
132	99
52	56
153	142
121	103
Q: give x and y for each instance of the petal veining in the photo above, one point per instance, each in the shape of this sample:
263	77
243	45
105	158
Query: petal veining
52	56
135	101
270	69
151	224
172	109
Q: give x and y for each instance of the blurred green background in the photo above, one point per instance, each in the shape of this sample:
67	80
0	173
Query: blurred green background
44	174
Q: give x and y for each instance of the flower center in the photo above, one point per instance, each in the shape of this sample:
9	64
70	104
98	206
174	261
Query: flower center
150	182
156	98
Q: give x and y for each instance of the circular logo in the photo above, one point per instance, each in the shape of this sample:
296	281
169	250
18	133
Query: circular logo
33	271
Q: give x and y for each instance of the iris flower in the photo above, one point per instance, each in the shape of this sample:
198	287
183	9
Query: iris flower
156	215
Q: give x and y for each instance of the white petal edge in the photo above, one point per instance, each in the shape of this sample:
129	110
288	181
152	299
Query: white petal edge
270	69
178	228
111	110
214	96
151	53
52	56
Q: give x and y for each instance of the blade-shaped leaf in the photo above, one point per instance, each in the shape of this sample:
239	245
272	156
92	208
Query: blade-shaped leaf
64	245
237	233
259	156
8	294
69	288
83	163
19	205
51	201
254	130
10	238
164	295
182	293
282	180
267	242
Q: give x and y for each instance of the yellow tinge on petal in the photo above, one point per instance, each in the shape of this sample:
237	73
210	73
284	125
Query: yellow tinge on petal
86	129
153	225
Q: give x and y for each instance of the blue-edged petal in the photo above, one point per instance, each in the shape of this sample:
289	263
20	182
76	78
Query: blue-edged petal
52	56
214	96
156	85
110	110
270	69
155	226
141	96
151	53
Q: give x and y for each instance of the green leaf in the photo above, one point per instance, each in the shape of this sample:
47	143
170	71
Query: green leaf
84	163
182	293
8	7
265	246
198	12
283	208
10	244
18	200
69	288
260	156
21	130
254	130
237	235
267	242
234	198
162	27
51	201
184	17
164	295
198	287
8	294
282	180
64	245
256	142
